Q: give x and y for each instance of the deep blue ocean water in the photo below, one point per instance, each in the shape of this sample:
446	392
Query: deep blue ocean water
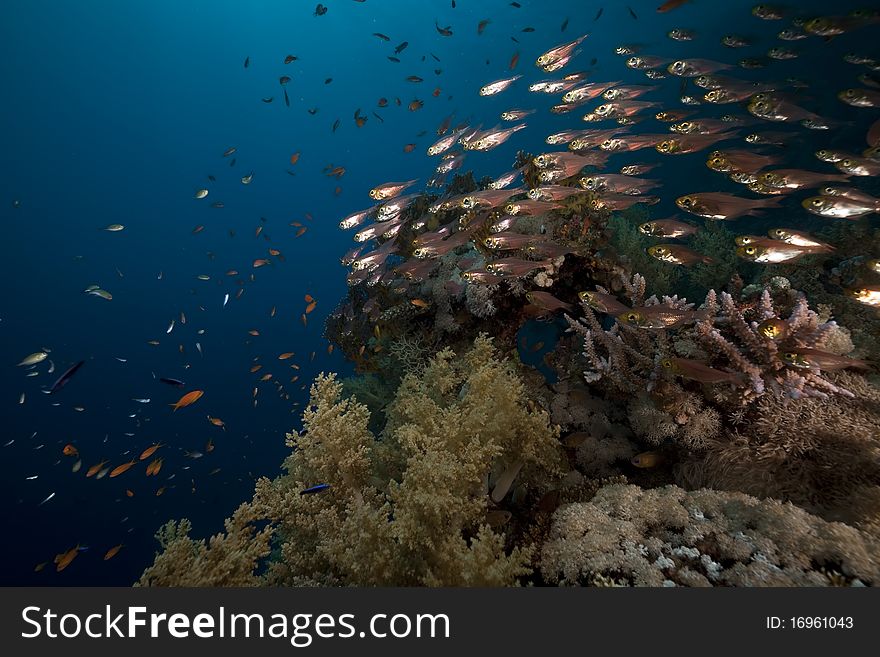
117	112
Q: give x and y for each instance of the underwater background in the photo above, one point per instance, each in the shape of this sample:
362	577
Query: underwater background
117	113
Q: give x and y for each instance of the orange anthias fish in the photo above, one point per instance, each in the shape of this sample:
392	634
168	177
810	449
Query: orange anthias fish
188	399
112	552
119	469
670	5
92	471
70	450
63	560
154	466
285	355
311	307
217	422
149	451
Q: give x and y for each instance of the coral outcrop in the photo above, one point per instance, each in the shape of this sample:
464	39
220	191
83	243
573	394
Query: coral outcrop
671	537
433	500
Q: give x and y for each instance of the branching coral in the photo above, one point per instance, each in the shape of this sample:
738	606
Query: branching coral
668	536
730	335
411	507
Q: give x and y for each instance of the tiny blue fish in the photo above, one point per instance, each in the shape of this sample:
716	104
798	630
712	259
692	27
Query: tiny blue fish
314	489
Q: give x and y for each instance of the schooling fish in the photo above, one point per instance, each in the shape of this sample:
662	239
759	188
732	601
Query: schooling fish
177	383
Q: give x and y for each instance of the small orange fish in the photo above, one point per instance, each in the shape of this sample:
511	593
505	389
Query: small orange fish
514	61
70	450
232	272
254	332
670	5
409	148
260	262
294	158
647	459
63	560
436	93
112	552
329	348
209	446
257	231
129	492
198	229
285	355
265	377
274	252
311	307
149	451
189	398
92	471
217	422
301	231
415	105
419	303
293	379
256	368
160	491
119	469
154	466
308	298
294	366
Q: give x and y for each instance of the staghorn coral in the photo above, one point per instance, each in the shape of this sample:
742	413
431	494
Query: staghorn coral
671	537
410	507
728	333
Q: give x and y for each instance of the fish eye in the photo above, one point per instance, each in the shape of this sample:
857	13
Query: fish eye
716	161
686	200
816	202
632	317
750	250
666	363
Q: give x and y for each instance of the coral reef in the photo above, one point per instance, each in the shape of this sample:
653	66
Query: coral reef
671	537
462	454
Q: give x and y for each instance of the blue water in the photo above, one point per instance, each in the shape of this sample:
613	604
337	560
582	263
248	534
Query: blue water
117	112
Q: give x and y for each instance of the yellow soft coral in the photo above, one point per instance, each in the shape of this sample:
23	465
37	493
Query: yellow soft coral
408	507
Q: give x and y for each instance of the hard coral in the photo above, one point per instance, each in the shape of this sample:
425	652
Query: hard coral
671	537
